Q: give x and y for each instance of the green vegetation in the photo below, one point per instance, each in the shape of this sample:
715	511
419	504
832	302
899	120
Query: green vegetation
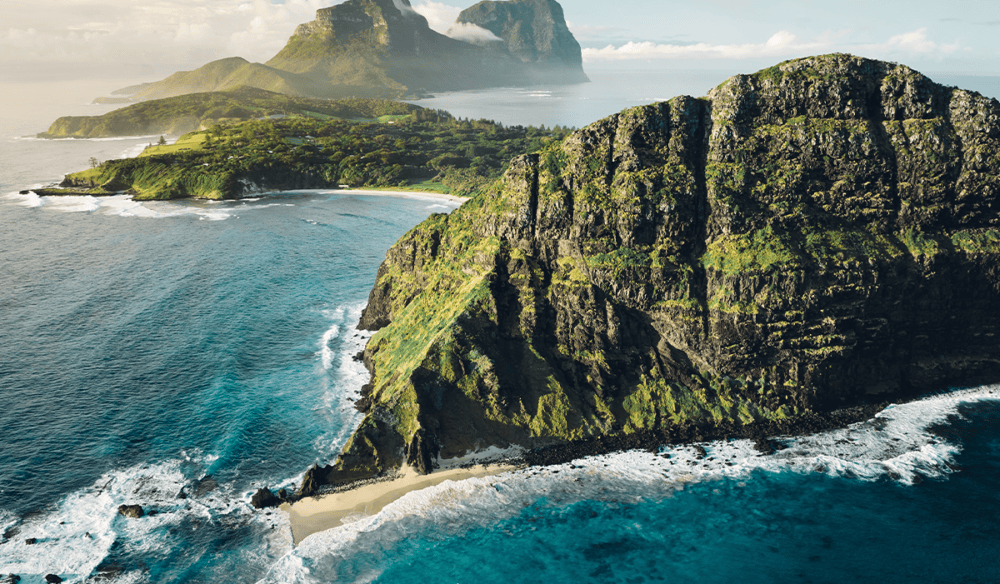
186	113
425	148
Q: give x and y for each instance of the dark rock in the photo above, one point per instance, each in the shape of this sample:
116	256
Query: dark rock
205	485
420	453
10	579
264	498
133	511
31	541
283	496
700	451
313	479
53	579
23	192
182	494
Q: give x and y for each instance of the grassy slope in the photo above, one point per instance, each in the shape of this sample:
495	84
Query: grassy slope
186	113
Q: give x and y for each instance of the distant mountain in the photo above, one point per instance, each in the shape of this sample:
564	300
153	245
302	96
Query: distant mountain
383	48
534	32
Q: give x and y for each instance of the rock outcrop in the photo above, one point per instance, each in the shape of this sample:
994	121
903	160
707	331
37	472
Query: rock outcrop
264	499
819	234
367	44
133	511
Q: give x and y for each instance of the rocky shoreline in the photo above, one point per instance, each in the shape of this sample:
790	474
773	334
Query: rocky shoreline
766	435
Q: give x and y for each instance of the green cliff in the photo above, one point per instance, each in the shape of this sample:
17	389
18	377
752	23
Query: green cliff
816	235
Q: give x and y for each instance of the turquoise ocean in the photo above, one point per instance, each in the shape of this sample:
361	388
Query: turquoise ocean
152	348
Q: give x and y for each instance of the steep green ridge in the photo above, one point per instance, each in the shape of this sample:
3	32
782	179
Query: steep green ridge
405	146
187	113
383	48
815	235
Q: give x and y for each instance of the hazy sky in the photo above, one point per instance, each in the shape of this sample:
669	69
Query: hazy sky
121	36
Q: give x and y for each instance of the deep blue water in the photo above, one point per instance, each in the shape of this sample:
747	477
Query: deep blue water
207	346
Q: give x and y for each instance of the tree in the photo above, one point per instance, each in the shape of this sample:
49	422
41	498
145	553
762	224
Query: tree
94	163
162	142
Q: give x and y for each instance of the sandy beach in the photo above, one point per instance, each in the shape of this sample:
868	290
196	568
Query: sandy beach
409	194
315	514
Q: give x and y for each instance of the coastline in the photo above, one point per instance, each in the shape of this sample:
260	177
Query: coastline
396	193
71	192
322	512
318	513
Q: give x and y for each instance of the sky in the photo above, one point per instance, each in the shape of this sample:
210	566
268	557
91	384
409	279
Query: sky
152	38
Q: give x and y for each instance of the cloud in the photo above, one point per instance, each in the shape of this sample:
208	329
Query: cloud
781	44
440	17
472	33
189	32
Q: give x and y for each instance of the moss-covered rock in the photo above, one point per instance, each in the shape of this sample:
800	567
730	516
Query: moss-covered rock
818	234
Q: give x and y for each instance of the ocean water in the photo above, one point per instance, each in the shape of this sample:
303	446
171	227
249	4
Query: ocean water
151	348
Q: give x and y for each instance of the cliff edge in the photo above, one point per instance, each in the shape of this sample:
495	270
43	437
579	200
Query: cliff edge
816	235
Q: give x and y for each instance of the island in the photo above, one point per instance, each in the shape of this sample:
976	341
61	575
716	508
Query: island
385	49
818	236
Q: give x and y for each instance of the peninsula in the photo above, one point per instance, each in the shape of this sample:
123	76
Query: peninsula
390	144
817	235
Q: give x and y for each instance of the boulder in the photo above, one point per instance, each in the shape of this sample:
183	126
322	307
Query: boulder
133	511
264	498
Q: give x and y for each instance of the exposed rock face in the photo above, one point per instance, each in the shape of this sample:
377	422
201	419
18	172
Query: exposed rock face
133	511
815	235
264	498
386	44
383	48
534	31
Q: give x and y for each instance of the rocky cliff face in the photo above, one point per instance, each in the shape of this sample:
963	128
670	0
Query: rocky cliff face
815	235
534	31
385	43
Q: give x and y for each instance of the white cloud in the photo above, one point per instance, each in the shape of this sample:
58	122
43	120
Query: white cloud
914	43
781	44
110	32
472	33
440	17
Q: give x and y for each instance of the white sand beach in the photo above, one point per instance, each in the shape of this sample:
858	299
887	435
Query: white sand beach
315	514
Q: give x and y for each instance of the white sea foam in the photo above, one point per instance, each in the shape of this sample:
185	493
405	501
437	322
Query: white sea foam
895	445
123	206
73	204
345	376
77	535
29	200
